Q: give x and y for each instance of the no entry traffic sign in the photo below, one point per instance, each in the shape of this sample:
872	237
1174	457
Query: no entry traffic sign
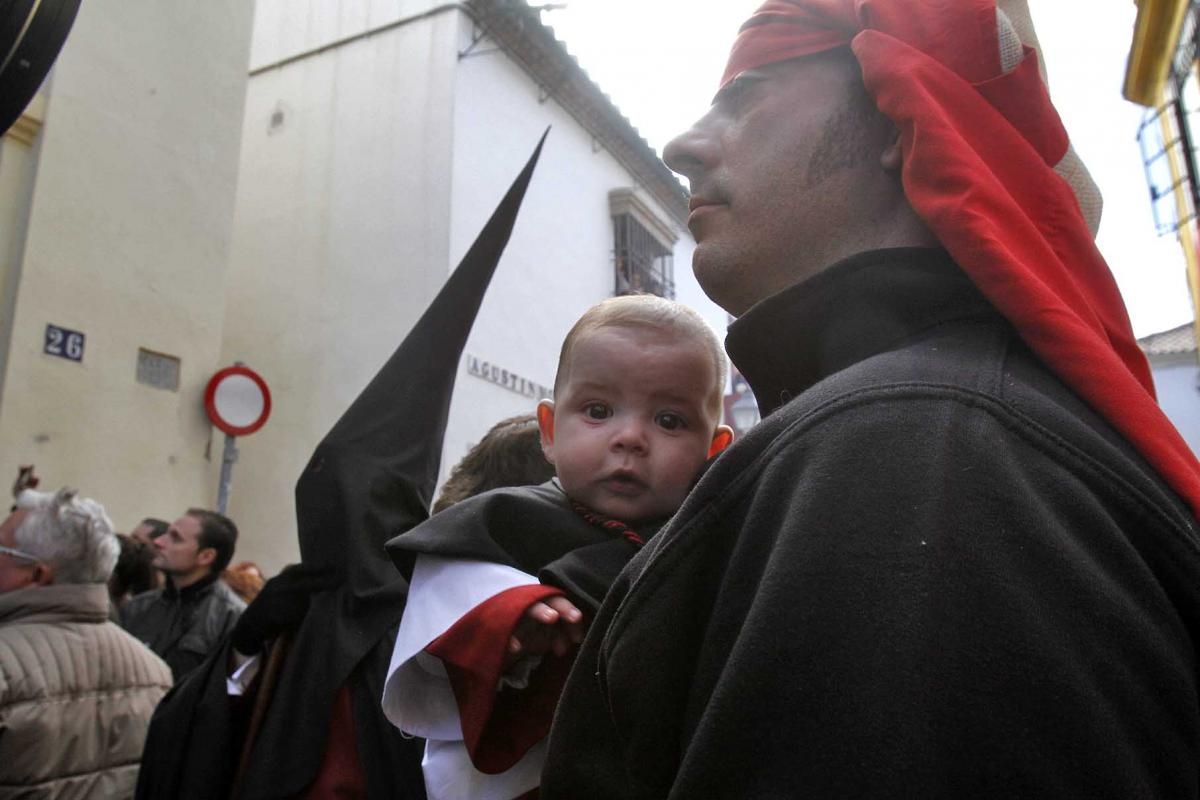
237	400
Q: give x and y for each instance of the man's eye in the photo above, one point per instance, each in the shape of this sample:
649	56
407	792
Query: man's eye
671	422
734	92
597	411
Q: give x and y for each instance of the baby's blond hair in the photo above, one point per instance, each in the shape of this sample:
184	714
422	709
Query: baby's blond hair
648	312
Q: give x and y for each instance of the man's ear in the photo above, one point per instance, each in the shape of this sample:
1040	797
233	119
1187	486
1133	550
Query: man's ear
545	419
43	574
892	158
721	439
206	556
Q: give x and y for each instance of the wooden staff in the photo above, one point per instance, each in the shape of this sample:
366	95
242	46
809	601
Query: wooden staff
262	702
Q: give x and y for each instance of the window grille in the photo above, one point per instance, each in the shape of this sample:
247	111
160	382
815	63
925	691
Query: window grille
1184	60
1167	139
642	264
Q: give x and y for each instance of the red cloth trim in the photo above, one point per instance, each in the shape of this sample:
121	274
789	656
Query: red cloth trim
499	727
340	776
961	33
979	150
1028	108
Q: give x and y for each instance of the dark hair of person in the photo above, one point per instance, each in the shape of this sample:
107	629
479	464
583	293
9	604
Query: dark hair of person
218	532
134	572
157	526
510	454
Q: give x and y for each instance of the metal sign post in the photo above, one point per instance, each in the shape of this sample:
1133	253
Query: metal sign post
238	402
228	458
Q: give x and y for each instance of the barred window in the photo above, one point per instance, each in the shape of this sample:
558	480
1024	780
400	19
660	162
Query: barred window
643	257
642	264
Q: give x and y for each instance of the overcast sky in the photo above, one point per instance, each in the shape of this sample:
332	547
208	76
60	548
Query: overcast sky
660	60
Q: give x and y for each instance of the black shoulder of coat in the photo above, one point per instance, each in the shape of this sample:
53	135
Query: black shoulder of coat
525	527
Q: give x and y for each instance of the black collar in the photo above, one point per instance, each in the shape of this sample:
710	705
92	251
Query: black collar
191	591
867	304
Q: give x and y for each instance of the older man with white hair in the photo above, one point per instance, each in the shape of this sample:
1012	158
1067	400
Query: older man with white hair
76	691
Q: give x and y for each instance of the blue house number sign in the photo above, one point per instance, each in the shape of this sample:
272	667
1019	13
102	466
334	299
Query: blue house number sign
63	343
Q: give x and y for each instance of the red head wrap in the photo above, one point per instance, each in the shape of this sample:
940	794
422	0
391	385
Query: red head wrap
979	148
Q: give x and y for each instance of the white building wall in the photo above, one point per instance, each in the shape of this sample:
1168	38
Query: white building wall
286	28
1177	383
560	259
341	237
369	165
126	239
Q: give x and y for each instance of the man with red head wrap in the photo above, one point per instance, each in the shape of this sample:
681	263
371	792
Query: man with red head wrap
959	557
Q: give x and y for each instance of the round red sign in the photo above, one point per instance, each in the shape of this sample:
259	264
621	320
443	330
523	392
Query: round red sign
237	400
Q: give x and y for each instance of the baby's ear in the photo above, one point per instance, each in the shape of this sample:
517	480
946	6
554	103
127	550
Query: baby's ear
721	439
545	419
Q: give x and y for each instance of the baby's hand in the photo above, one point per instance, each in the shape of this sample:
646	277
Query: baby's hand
554	625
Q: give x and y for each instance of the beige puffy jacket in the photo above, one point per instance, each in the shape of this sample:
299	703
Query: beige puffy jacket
76	695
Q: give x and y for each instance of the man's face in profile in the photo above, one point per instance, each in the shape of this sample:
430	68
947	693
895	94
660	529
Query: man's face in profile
145	534
783	170
142	533
178	551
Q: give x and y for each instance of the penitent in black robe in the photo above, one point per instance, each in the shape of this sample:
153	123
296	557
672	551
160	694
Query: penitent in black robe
368	480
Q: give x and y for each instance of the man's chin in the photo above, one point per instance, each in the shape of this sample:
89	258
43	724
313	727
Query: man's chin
720	276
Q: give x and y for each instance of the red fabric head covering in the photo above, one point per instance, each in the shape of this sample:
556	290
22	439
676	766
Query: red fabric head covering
979	148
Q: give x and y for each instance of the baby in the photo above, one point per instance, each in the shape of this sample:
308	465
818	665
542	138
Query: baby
501	585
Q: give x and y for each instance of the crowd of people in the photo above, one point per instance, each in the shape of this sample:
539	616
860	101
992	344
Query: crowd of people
959	556
96	626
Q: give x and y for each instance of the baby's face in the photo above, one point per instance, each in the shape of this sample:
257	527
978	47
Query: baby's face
634	421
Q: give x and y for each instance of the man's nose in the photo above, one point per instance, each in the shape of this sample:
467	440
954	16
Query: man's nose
690	153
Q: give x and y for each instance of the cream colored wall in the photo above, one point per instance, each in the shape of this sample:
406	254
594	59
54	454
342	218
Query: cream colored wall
127	240
18	169
367	170
560	259
286	28
341	237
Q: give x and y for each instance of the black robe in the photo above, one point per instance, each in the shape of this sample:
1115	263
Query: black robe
198	732
931	571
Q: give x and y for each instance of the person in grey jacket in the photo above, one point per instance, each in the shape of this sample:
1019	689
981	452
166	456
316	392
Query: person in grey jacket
190	615
76	691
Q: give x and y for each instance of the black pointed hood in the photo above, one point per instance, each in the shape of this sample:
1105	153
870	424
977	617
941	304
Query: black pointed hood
377	468
370	479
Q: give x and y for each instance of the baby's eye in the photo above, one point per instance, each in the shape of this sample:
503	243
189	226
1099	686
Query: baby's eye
670	421
597	411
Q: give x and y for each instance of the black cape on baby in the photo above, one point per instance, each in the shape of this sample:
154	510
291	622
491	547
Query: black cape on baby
531	528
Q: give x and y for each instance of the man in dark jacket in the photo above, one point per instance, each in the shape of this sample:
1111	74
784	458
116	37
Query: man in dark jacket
959	556
184	620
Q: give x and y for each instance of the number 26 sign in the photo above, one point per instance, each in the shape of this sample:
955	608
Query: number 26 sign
63	343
